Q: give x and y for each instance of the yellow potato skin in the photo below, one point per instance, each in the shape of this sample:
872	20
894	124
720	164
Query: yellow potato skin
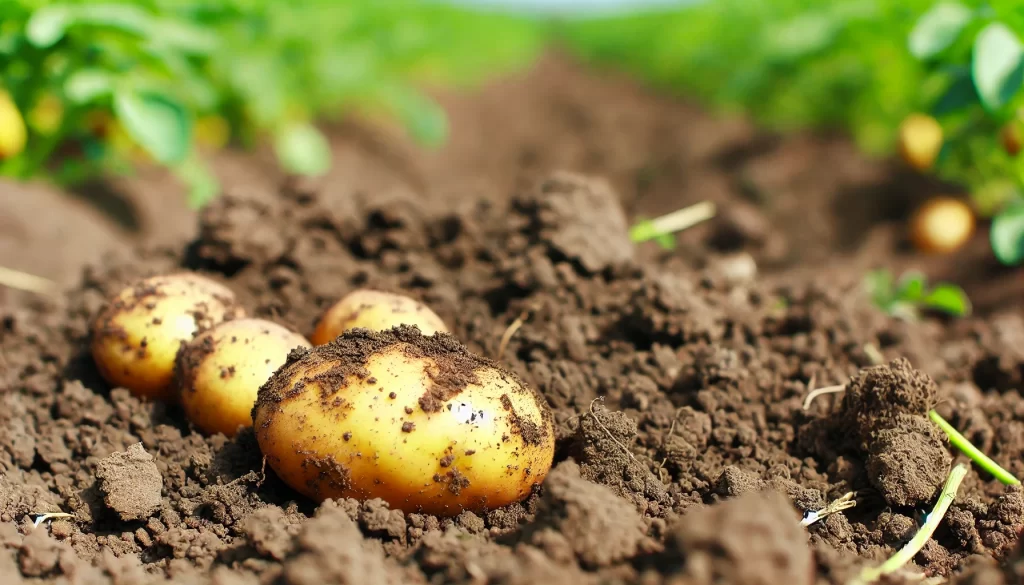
222	369
376	310
330	435
920	140
137	335
942	225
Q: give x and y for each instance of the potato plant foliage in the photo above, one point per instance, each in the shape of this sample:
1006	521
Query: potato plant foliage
860	65
93	88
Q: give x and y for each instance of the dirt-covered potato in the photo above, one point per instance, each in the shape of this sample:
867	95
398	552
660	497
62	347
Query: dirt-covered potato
920	139
942	225
221	370
375	310
136	336
415	420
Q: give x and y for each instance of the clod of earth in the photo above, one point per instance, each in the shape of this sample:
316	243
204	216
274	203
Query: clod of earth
376	310
417	421
221	371
130	483
137	335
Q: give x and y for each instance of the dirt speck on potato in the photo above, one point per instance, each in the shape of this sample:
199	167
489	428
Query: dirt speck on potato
131	483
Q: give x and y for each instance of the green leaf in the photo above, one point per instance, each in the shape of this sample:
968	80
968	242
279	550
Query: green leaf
183	36
802	36
122	16
938	28
904	311
424	119
960	94
997	65
203	186
948	298
643	231
156	122
47	25
666	241
303	150
911	287
879	285
86	85
1007	235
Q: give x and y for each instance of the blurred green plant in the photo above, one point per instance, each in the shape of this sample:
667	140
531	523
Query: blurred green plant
908	296
788	63
975	52
91	88
863	66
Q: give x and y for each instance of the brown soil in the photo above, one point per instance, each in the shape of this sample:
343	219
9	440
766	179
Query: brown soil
694	468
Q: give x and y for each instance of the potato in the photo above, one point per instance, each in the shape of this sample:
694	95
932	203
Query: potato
1010	137
375	310
415	420
220	371
13	132
136	336
920	139
942	225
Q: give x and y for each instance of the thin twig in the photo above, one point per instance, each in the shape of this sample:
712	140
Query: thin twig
509	332
44	516
874	355
847	501
605	429
826	390
27	282
903	556
684	218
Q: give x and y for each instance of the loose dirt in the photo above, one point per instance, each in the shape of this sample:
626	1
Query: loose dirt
695	467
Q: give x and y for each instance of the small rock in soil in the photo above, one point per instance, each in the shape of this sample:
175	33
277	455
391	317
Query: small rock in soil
131	483
754	539
908	464
578	518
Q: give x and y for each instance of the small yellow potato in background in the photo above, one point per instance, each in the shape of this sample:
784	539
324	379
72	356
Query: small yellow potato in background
942	225
1010	137
920	140
13	132
418	421
136	336
375	310
221	370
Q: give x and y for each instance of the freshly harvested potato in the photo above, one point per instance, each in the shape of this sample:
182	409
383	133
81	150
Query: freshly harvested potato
375	310
415	420
221	370
920	140
136	336
942	225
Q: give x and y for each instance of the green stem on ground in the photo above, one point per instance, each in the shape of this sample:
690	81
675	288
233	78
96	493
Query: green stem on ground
905	554
672	223
960	442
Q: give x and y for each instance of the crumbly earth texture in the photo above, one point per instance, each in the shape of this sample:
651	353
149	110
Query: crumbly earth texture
676	389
